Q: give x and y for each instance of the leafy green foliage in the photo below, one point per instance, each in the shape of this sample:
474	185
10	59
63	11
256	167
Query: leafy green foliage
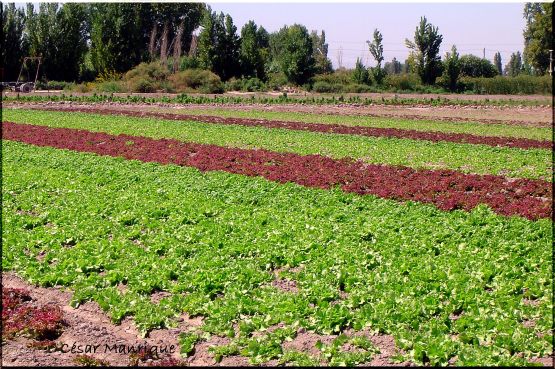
530	163
333	353
14	41
425	51
443	284
452	68
360	73
59	35
218	45
473	66
253	51
538	35
376	49
501	130
322	64
187	341
514	67
291	49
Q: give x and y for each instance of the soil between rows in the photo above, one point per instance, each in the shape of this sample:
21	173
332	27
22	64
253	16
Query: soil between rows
522	143
447	190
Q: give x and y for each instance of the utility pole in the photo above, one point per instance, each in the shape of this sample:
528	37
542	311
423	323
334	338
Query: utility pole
550	62
484	53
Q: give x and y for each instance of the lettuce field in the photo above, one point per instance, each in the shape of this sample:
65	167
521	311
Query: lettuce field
246	239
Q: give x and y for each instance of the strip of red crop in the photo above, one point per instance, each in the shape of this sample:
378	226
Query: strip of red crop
523	143
446	189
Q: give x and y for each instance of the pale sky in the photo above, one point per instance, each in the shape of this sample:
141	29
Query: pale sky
471	27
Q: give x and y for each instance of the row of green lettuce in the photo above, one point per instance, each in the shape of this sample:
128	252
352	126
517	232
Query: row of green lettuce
284	98
468	158
471	287
474	128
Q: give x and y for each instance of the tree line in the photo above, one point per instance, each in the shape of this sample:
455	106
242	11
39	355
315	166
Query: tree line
79	42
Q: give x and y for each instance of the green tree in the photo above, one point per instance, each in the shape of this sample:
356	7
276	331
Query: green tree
206	47
218	45
376	49
538	35
14	41
498	63
425	51
230	51
360	73
393	67
452	68
473	66
291	49
322	63
119	35
514	67
253	50
59	35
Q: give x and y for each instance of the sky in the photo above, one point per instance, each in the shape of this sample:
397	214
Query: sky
470	26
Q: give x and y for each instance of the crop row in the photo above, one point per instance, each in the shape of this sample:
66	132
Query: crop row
523	143
397	99
466	287
479	159
475	126
447	190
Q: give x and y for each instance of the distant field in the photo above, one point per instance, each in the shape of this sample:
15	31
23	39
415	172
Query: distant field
286	244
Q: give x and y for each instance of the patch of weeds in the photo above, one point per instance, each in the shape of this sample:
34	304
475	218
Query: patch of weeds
187	342
18	317
86	360
335	356
297	358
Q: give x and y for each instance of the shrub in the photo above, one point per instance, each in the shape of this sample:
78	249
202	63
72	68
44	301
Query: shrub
252	85
188	62
233	84
82	87
196	79
54	85
339	77
147	77
140	84
276	81
521	84
154	71
402	82
325	87
109	86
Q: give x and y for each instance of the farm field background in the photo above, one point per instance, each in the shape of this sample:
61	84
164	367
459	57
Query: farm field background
245	241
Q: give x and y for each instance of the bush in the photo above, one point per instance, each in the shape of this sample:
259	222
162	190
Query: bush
109	86
522	84
196	79
325	87
140	84
154	71
233	84
54	85
253	85
339	77
402	82
276	81
147	77
188	62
